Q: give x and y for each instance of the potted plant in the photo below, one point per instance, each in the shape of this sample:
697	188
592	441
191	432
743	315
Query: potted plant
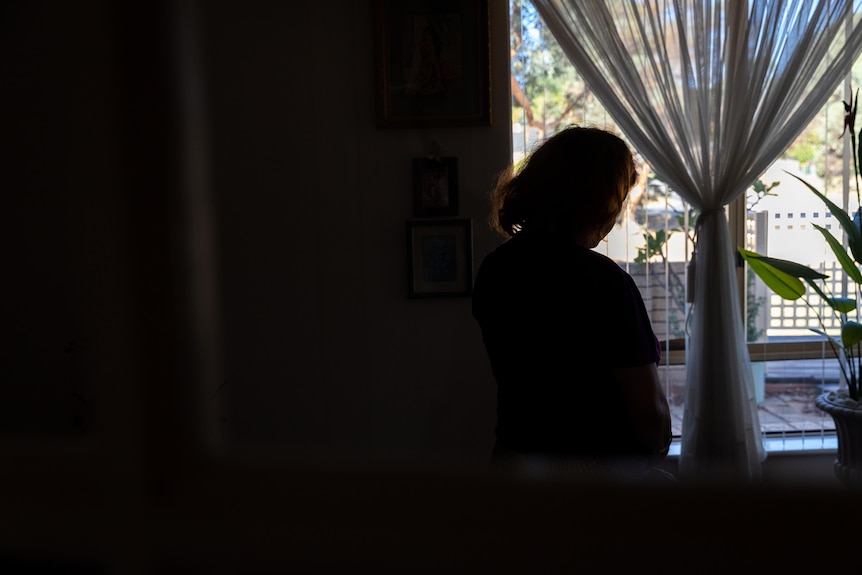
788	279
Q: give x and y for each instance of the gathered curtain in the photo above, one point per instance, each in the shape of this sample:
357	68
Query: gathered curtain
711	92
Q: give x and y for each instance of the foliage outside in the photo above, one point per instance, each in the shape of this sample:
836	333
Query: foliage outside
549	94
655	246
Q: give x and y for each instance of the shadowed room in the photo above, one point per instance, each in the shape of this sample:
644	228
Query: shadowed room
215	357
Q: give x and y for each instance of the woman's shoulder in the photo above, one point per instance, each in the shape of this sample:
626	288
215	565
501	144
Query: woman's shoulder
534	246
532	257
601	261
515	247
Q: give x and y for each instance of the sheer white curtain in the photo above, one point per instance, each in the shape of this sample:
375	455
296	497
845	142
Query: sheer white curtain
711	93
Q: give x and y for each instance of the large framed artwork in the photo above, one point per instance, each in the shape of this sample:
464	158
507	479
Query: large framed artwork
432	63
439	258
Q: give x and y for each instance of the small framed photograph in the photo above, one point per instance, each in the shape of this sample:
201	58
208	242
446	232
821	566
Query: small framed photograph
435	187
439	258
432	63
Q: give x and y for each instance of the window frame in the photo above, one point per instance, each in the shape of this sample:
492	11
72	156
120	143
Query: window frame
674	350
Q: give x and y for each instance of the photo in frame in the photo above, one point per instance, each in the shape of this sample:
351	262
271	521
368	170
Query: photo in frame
435	187
439	258
432	63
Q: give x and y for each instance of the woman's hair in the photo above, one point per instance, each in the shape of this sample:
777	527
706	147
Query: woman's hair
577	180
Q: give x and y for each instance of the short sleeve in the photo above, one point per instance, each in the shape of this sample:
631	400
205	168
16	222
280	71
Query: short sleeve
637	343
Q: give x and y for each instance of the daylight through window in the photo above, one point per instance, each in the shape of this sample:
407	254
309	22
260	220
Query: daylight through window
653	239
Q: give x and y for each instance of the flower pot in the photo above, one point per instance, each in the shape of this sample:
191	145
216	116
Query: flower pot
847	415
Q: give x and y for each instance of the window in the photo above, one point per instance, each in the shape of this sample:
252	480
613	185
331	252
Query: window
790	363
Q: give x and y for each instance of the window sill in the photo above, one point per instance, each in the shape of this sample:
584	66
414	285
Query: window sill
673	351
789	445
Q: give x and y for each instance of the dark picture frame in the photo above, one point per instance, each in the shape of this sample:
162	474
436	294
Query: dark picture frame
432	63
440	258
435	187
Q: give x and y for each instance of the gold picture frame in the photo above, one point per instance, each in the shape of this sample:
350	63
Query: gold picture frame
432	63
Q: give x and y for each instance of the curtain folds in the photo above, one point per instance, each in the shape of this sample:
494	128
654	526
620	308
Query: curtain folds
711	92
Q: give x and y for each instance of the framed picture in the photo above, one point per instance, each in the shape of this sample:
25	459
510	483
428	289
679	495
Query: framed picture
432	63
439	258
435	187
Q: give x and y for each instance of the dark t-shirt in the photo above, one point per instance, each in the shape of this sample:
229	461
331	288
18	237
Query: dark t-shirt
556	319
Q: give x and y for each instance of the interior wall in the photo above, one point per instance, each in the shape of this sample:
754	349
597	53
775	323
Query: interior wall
65	297
324	353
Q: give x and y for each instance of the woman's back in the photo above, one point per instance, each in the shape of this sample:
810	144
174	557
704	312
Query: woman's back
556	319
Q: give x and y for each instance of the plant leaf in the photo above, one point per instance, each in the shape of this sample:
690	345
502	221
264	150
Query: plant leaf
857	223
842	304
846	261
839	304
782	283
831	339
851	333
819	291
836	340
854	237
790	268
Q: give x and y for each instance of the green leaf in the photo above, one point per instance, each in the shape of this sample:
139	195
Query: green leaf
851	333
782	283
839	304
842	304
845	260
790	268
819	291
854	236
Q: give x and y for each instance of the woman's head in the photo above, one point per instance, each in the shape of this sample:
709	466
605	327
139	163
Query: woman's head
574	183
